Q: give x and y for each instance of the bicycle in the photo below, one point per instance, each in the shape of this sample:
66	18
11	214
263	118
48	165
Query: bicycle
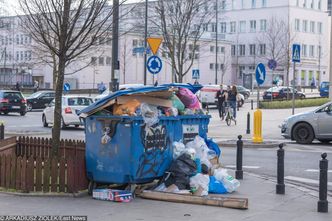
229	114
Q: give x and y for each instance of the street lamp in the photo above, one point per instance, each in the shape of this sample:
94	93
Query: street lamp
215	67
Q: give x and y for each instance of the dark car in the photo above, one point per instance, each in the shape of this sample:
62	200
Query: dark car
280	93
244	91
12	101
39	99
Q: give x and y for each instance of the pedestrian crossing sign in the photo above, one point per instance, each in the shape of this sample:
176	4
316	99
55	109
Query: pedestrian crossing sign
296	53
195	74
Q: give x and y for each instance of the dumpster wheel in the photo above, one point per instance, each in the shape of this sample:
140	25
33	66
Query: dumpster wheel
92	185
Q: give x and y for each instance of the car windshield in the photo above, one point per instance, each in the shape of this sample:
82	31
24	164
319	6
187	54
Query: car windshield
79	101
12	95
34	95
324	85
274	89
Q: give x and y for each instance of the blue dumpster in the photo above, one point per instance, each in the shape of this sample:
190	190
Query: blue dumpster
131	152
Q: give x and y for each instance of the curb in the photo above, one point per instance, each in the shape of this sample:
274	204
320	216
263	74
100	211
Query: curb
41	194
11	133
249	144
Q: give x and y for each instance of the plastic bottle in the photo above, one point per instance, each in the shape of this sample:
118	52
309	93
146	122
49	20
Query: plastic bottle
230	183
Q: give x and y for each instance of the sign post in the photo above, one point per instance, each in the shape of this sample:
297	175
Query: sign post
296	57
260	78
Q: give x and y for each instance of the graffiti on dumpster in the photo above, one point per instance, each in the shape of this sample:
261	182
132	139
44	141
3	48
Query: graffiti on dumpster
155	143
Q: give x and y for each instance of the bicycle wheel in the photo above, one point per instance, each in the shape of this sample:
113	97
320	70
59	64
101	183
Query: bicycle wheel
228	120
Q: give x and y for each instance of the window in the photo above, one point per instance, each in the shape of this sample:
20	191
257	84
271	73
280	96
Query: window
319	5
101	41
304	3
297	24
223	4
205	27
253	26
242	4
17	55
233	4
22	54
319	27
241	71
25	55
233	27
242	50
222	50
101	61
263	25
311	51
213	27
319	51
217	48
304	50
262	49
233	51
305	26
108	61
312	4
312	27
17	39
109	41
211	48
29	55
22	39
253	3
242	26
263	3
217	67
223	27
297	3
211	66
135	42
93	61
252	49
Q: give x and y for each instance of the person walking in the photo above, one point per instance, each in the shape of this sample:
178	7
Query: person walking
18	86
221	98
231	98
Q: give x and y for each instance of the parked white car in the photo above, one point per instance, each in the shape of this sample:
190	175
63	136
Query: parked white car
71	105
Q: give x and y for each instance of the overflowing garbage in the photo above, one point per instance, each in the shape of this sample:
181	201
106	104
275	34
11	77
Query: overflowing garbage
163	132
195	170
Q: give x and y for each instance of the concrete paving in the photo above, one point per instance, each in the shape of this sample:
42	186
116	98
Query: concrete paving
296	204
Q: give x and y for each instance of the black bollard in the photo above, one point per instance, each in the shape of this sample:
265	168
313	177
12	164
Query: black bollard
280	170
2	131
248	123
239	155
252	104
323	169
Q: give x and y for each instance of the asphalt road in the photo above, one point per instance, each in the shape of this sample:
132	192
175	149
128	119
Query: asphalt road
301	161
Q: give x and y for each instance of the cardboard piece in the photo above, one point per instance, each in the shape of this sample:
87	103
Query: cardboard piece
145	99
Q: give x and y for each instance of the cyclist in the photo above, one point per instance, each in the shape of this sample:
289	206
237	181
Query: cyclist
231	98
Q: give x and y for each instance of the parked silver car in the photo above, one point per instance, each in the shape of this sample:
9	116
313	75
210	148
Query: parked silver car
305	127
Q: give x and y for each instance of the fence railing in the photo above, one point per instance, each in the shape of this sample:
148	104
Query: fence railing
26	165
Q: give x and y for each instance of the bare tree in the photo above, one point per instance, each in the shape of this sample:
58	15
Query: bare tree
66	29
181	25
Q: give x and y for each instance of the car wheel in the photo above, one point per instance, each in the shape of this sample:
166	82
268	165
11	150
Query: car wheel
22	113
204	106
246	96
63	125
302	97
324	141
29	107
5	112
45	124
303	133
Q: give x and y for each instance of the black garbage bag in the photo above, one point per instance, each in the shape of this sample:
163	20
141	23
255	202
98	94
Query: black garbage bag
180	171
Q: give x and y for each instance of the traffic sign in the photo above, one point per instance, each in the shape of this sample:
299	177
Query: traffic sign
66	87
272	64
296	53
195	74
154	44
154	64
260	73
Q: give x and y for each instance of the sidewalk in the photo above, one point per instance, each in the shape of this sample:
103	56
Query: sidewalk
264	204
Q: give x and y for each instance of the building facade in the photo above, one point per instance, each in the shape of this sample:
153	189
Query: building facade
249	32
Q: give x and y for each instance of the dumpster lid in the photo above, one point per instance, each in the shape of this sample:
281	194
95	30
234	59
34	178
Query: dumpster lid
110	99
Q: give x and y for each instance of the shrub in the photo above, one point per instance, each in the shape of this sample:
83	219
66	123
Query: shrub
308	102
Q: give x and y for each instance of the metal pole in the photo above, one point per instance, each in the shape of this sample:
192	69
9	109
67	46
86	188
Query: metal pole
252	104
258	96
280	188
239	155
2	131
115	46
216	70
145	37
323	167
248	123
293	92
330	80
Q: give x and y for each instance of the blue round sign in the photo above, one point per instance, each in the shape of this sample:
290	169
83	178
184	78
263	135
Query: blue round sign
260	73
154	64
272	64
66	87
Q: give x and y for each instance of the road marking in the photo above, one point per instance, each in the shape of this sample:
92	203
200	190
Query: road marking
316	171
304	180
33	125
248	167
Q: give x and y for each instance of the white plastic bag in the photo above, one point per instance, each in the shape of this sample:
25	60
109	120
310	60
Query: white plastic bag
178	149
201	180
231	184
202	151
150	114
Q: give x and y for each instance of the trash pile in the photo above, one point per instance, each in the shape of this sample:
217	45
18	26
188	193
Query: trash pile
195	170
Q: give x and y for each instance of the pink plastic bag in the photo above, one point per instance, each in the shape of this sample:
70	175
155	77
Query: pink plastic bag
189	99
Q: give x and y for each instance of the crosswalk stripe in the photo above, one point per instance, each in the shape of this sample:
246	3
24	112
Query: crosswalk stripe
316	171
247	167
304	180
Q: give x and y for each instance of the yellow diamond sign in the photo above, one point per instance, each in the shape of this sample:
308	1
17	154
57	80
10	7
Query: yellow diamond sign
154	44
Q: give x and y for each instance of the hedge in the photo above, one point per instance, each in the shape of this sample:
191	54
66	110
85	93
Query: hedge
308	102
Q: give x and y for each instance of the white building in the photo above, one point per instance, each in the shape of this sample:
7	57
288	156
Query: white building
243	27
